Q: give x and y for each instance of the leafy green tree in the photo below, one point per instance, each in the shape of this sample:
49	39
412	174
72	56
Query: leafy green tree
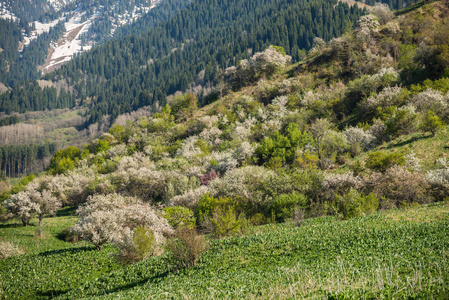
353	204
432	123
64	160
381	160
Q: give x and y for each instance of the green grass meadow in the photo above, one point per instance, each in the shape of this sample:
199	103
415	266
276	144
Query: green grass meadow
396	254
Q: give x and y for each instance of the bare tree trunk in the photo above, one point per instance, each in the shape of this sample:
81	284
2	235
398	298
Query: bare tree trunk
39	228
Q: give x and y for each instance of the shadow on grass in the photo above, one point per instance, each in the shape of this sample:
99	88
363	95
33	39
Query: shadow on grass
49	294
67	251
66	211
409	141
15	225
153	275
149	279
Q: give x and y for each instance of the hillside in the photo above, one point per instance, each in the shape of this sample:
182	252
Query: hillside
322	178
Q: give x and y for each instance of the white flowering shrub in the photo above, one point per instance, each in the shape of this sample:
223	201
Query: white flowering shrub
177	184
147	184
75	186
8	249
117	151
189	149
112	218
432	100
220	161
259	65
244	151
243	130
339	184
211	135
318	45
412	162
101	219
143	215
356	135
22	206
368	22
194	171
389	96
438	179
268	61
310	97
242	182
383	12
337	44
278	108
189	198
209	121
378	129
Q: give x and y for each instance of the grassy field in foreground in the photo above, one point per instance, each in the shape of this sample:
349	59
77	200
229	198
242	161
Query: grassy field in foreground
401	254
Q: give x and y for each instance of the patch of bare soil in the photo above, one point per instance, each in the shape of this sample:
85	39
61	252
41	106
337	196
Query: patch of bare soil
3	88
67	37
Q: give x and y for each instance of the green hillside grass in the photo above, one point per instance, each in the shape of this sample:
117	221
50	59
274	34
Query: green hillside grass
391	254
425	146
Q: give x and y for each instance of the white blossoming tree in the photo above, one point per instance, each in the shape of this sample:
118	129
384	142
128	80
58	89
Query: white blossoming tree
112	219
20	205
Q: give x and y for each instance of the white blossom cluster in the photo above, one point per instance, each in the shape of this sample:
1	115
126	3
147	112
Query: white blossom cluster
334	183
111	218
35	199
412	162
189	198
389	96
188	148
439	177
382	12
240	182
432	100
355	135
8	249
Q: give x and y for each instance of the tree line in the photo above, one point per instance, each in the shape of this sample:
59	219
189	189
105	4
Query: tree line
24	159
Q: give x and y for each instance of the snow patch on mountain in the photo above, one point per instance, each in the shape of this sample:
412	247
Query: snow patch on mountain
6	14
40	28
69	44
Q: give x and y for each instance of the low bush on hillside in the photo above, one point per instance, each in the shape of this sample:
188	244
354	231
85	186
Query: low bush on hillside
186	246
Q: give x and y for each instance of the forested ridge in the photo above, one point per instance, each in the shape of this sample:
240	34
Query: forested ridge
134	71
16	67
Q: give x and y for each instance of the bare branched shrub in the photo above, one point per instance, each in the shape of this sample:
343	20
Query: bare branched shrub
187	246
298	216
398	184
